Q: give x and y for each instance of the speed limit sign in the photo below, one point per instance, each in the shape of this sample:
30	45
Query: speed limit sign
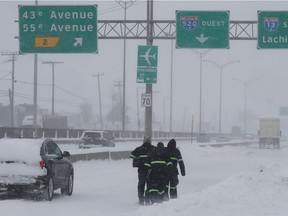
146	100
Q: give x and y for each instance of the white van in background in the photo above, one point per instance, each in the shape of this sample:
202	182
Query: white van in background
28	121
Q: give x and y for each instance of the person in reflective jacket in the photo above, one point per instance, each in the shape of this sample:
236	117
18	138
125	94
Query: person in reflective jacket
141	156
175	158
157	178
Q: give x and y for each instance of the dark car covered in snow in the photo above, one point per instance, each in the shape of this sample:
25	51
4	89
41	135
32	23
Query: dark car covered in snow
35	167
92	138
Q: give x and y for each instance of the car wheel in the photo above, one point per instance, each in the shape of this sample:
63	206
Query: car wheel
49	192
68	190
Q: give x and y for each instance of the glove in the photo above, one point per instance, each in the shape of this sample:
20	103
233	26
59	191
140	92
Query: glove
183	173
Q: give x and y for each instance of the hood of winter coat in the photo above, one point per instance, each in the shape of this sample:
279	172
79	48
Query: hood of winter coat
171	144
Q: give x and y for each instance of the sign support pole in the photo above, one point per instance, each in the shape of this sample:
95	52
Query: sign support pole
35	85
149	89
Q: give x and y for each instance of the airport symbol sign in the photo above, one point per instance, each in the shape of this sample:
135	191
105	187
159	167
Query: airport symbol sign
147	64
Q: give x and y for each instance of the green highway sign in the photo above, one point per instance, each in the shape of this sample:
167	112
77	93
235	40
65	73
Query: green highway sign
58	29
272	30
147	64
202	29
283	111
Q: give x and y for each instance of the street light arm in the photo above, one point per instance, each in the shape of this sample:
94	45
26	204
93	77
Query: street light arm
221	66
201	53
247	82
253	80
212	62
243	83
231	62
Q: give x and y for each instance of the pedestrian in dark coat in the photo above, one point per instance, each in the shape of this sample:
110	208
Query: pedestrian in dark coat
141	159
175	158
157	179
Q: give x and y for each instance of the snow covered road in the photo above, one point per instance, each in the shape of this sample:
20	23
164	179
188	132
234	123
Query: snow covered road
219	181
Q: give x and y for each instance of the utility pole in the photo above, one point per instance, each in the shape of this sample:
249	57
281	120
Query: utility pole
53	82
99	92
125	5
11	96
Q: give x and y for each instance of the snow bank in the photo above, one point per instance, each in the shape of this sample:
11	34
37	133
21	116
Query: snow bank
249	193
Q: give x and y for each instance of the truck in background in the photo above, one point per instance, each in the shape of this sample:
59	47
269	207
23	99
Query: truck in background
46	121
269	132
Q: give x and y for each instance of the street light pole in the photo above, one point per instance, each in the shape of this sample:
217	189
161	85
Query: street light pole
164	113
53	81
221	67
171	80
245	84
200	54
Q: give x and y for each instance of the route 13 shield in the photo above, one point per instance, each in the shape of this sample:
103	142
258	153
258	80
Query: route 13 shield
271	24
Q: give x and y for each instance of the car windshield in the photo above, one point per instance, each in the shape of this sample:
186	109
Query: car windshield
92	134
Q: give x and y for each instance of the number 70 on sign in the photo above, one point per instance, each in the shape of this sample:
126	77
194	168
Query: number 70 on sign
146	100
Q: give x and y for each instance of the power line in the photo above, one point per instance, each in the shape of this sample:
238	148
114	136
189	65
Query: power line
56	86
11	94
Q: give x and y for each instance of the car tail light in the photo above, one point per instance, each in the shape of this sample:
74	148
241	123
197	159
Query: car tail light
42	164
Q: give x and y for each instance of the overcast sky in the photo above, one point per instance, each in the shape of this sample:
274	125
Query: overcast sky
75	75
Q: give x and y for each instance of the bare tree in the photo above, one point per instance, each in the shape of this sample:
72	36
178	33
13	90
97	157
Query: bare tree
86	113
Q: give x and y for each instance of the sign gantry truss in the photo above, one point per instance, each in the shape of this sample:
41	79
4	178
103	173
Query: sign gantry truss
165	29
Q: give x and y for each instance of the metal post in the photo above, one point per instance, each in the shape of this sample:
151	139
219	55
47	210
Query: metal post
149	89
171	80
53	88
200	103
171	87
220	100
35	90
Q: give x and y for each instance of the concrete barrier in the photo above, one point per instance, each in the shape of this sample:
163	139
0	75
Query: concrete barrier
126	154
100	156
120	155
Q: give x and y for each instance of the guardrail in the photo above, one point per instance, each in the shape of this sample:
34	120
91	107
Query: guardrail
76	133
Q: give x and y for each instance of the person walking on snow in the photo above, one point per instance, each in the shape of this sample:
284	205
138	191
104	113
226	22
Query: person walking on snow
175	158
141	156
157	178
